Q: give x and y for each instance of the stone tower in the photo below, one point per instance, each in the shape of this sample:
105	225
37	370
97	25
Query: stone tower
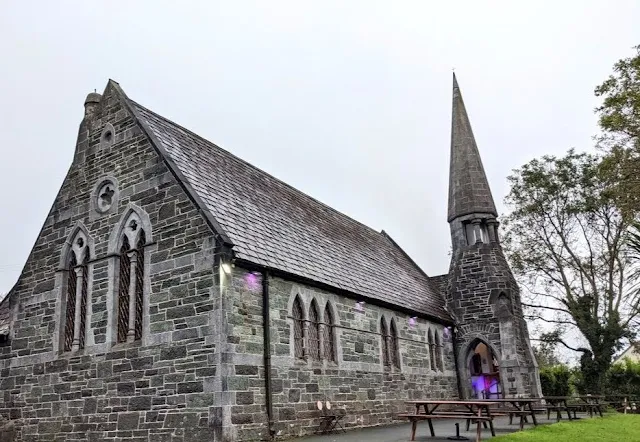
494	354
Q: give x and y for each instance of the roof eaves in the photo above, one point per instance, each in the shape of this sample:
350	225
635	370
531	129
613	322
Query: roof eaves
175	170
251	265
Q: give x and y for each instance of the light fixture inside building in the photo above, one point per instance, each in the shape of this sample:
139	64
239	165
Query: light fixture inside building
226	267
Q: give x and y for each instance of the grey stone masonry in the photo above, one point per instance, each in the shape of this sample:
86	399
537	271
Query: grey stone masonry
140	314
469	190
164	387
482	294
357	381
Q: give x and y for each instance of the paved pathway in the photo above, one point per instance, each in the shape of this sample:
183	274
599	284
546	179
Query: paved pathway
401	432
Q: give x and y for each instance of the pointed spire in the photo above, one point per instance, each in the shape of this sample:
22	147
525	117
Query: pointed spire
469	190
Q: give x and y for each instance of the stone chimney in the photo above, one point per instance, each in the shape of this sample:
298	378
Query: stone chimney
91	104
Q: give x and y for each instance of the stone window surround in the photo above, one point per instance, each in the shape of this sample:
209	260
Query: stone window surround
95	210
132	212
478	229
306	293
107	140
61	280
395	362
321	306
438	346
435	341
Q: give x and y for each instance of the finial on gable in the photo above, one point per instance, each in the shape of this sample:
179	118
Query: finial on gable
91	103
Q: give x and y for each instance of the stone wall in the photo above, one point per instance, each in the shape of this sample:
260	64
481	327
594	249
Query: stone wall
198	371
163	388
357	381
484	298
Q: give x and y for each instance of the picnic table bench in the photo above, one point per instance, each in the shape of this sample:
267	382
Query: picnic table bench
589	403
474	411
520	407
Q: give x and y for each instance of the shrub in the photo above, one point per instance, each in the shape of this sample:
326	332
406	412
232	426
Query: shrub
556	380
624	378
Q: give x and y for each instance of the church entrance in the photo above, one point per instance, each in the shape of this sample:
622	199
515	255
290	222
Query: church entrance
485	372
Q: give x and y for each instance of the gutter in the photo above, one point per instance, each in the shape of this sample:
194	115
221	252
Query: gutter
455	362
266	327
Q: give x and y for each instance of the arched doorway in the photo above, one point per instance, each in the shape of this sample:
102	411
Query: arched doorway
484	372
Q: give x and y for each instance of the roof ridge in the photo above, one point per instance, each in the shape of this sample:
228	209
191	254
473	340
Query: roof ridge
190	132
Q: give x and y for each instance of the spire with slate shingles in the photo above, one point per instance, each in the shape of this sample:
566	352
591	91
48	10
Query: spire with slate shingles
469	190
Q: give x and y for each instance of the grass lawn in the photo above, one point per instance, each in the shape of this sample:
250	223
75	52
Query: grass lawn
612	427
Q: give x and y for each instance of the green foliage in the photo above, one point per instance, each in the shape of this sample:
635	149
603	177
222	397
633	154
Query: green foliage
556	380
619	119
624	378
614	427
620	109
545	351
566	240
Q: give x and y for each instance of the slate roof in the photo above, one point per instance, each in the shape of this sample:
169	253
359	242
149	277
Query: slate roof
5	315
274	225
469	190
440	282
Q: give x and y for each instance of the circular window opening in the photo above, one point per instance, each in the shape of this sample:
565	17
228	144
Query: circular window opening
105	196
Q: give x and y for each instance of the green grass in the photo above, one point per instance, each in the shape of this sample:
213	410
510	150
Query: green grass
612	427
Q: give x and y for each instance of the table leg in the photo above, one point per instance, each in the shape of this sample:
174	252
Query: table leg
478	429
533	415
427	411
431	428
414	424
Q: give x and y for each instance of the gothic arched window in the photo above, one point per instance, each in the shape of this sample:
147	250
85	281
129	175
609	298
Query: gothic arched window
123	291
131	283
394	349
438	344
384	334
329	335
298	328
70	304
139	284
314	332
432	350
77	292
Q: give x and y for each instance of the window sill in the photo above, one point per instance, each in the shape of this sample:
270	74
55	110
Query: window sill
126	345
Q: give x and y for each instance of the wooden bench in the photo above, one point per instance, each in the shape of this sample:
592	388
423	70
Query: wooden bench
469	417
521	413
558	408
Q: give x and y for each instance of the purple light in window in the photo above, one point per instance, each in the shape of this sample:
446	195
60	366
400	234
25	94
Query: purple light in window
447	332
360	306
251	282
478	384
412	321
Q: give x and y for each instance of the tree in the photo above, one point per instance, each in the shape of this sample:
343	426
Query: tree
619	113
545	351
566	238
619	119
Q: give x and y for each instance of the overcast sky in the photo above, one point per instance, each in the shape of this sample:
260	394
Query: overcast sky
349	102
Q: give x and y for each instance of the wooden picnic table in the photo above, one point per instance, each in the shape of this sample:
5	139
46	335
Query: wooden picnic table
592	402
557	403
477	410
523	407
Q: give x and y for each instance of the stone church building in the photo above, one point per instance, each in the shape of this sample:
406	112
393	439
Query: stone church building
178	293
